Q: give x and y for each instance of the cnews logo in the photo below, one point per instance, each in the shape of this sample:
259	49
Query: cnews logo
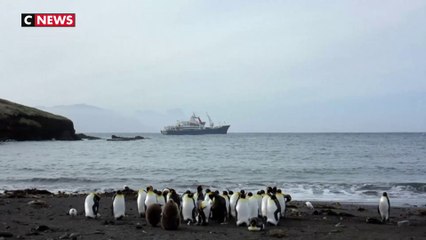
48	19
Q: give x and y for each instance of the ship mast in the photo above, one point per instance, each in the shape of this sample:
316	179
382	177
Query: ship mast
210	120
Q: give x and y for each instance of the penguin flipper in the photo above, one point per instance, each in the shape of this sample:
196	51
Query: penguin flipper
276	216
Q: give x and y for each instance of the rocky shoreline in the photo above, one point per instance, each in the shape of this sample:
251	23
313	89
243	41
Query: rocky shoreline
39	214
22	123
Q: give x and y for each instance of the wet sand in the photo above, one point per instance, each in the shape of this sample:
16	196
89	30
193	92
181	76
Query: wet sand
50	220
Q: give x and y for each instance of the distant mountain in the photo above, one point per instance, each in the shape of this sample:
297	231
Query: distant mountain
88	118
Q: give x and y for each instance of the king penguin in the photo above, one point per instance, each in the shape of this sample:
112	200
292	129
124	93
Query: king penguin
264	203
91	205
141	202
281	199
151	197
118	205
242	211
199	196
188	207
384	207
170	218
253	204
226	197
204	210
233	203
219	208
273	211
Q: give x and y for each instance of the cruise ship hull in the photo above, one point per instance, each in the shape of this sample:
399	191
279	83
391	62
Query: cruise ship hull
207	130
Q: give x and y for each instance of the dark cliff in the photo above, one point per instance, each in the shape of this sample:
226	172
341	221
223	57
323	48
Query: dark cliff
19	122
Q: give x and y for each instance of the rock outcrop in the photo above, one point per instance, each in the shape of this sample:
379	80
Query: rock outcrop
20	123
118	138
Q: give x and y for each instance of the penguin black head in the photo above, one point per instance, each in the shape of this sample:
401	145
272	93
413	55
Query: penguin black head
279	191
262	192
274	189
119	192
250	194
159	193
268	190
225	193
231	192
259	193
208	190
199	188
187	192
216	192
149	188
242	191
155	191
385	194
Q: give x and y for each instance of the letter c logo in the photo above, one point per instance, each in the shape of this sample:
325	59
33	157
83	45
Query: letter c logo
26	19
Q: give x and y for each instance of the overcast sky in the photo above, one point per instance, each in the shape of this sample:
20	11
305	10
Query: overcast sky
297	66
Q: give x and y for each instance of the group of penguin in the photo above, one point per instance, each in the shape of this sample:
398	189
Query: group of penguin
167	207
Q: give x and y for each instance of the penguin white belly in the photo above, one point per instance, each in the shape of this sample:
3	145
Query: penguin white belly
188	209
206	207
89	202
281	200
233	203
264	205
141	202
384	208
272	212
254	207
119	206
151	198
243	212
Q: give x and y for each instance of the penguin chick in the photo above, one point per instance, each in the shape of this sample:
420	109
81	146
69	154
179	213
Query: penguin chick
170	218
153	214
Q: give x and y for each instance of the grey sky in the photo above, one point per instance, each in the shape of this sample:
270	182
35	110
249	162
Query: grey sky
259	65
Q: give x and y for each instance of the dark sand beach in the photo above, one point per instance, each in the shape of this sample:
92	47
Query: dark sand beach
48	218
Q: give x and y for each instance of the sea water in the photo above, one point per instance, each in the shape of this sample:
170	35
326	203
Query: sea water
347	167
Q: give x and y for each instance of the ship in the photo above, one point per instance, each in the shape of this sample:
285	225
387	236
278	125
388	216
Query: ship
195	126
